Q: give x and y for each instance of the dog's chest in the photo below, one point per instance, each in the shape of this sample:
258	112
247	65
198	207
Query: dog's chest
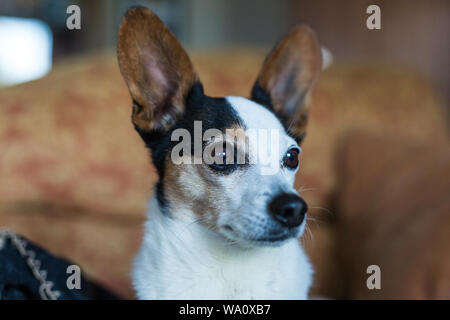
246	278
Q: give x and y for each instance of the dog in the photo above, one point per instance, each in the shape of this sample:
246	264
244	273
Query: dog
219	230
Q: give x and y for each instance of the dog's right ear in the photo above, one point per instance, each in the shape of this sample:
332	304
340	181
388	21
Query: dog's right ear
156	69
287	77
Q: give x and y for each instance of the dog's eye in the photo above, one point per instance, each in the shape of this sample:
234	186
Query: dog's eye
290	159
223	163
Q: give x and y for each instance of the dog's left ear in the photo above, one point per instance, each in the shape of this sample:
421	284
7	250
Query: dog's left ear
287	76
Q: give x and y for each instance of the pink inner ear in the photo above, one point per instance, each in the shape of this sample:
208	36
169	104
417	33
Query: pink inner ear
286	87
155	73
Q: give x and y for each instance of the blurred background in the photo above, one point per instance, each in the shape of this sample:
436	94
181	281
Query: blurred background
414	33
375	171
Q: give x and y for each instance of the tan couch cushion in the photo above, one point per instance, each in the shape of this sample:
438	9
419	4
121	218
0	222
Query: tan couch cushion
394	211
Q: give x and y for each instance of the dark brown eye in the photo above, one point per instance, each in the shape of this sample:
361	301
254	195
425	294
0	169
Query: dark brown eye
290	159
222	163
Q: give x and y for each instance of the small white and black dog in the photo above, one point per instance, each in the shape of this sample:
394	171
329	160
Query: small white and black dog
220	230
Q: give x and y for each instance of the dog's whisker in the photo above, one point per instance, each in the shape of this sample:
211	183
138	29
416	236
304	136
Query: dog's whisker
314	220
322	210
306	234
304	189
288	130
310	233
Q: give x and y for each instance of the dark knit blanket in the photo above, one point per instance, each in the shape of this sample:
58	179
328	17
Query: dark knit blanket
28	272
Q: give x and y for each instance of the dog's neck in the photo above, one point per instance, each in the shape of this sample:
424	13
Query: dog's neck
178	253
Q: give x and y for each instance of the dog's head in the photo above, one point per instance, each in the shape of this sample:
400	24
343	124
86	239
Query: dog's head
229	163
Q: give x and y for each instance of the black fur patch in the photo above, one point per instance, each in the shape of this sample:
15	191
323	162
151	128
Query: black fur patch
259	95
215	113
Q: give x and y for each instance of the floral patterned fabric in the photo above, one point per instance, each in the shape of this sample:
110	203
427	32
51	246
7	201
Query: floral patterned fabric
75	177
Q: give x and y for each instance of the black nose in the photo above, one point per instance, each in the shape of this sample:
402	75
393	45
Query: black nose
289	209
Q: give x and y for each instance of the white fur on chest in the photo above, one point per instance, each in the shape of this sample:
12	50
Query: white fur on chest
183	260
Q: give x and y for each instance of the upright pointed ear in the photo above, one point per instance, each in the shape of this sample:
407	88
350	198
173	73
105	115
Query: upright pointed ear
156	69
287	76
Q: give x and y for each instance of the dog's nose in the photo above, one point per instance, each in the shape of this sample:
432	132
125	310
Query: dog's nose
289	209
